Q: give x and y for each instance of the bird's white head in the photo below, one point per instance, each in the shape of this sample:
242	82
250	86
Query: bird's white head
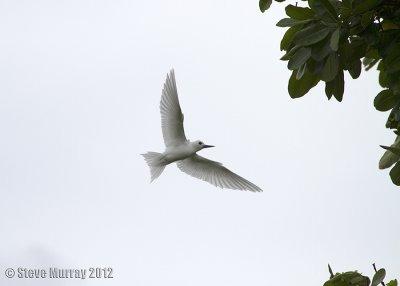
198	145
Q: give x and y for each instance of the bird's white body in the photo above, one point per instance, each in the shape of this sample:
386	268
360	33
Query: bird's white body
180	152
184	152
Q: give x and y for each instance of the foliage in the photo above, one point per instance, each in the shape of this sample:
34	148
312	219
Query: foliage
354	278
327	38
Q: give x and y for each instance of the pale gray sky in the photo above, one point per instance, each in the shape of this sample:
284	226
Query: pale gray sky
80	83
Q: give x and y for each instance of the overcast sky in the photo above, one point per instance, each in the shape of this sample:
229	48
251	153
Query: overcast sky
80	84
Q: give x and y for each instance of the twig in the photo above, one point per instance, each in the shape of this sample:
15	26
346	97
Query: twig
330	271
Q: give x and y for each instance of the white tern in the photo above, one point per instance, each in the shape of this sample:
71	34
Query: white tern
184	152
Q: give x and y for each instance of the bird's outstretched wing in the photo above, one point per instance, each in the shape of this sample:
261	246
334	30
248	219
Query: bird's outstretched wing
171	114
215	173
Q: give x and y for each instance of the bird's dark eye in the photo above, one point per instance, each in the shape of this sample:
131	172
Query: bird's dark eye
200	143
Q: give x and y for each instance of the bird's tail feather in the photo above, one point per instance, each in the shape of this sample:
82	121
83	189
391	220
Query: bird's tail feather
154	160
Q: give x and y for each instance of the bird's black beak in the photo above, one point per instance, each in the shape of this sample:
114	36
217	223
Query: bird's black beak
208	146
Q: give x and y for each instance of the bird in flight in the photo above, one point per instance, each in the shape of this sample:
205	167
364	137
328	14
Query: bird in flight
184	152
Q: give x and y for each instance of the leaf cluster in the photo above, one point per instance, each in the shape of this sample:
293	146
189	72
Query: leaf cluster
354	278
327	38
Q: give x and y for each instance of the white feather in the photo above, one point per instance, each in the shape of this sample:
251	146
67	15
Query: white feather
171	114
215	173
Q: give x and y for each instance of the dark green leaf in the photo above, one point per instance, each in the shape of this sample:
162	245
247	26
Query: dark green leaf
395	176
299	87
383	79
394	150
288	22
371	34
288	37
371	64
355	30
334	43
335	87
315	67
387	42
346	54
366	5
350	52
329	7
381	273
367	61
355	69
389	158
394	118
372	54
356	280
395	82
392	60
317	7
350	278
301	71
358	48
346	9
311	35
299	58
289	54
381	66
264	5
299	13
329	89
385	100
392	283
347	4
331	67
321	50
367	18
